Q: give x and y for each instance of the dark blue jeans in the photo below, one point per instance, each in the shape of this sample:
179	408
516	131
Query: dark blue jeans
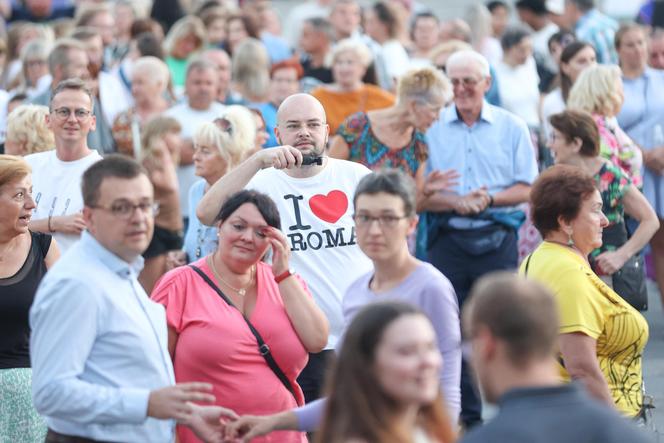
448	253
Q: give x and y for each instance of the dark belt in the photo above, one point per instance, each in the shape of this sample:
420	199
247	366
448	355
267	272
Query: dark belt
56	437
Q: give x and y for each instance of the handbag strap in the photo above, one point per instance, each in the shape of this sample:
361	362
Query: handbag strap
263	347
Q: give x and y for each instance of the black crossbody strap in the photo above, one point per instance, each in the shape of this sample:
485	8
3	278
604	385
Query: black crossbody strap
263	347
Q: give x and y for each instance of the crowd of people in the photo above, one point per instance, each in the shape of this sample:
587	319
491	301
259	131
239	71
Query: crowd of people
351	223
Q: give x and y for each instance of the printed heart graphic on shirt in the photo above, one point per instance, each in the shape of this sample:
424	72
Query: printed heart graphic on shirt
329	207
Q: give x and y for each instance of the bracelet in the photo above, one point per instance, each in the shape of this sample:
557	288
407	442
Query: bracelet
50	228
283	276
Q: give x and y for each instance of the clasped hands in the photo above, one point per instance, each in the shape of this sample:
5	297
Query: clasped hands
472	203
215	424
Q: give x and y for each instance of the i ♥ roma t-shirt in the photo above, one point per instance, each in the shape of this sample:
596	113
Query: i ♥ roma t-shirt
316	216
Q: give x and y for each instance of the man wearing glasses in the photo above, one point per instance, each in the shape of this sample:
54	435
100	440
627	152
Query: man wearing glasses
101	367
57	173
473	228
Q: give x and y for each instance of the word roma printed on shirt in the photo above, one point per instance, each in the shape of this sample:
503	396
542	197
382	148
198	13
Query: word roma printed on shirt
329	208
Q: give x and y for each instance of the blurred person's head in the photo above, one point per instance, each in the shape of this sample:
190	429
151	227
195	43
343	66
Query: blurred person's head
15	101
317	35
559	41
98	16
455	29
222	61
350	60
382	22
424	31
285	80
147	24
656	49
214	20
161	132
632	47
388	366
146	44
441	52
124	14
16	202
201	84
94	47
576	57
512	326
565	204
149	80
469	74
517	45
261	130
423	92
480	21
185	37
500	15
574	134
20	34
68	59
34	59
213	152
575	9
251	70
27	132
238	29
598	90
345	17
532	12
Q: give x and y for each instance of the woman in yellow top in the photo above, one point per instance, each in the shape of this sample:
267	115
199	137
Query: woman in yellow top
601	336
349	94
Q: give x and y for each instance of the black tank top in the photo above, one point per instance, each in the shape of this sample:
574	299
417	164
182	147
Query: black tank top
16	295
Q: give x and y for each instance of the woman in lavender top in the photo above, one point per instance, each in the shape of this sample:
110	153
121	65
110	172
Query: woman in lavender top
384	217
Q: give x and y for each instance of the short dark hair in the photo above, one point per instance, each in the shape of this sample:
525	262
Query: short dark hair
573	124
148	43
495	4
389	16
562	37
559	192
584	5
322	25
512	36
537	7
389	181
263	203
114	165
72	84
421	15
521	313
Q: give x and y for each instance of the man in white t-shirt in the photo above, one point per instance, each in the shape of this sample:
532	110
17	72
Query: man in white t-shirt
56	174
314	194
201	88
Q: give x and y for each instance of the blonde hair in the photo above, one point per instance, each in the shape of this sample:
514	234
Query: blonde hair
595	90
27	124
189	24
424	85
234	142
251	68
155	129
156	70
349	45
12	168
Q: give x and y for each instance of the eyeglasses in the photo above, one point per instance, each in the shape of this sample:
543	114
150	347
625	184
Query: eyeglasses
466	82
384	221
65	113
124	209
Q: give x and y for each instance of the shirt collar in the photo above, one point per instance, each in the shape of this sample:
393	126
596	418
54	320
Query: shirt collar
109	259
450	114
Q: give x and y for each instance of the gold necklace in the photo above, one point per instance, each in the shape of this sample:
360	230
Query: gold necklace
241	291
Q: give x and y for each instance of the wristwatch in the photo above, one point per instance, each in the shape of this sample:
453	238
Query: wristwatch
283	276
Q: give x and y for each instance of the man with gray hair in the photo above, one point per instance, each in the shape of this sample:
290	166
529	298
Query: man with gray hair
512	327
472	229
591	26
200	106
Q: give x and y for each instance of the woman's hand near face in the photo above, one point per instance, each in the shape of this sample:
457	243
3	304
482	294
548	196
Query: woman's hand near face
280	250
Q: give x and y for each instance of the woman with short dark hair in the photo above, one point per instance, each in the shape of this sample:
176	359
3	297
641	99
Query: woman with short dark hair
602	337
211	303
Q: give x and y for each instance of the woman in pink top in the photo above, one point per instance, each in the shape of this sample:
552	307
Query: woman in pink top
209	340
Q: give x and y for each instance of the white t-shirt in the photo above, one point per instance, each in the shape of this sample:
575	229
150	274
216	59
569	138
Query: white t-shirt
56	188
553	103
518	89
316	216
190	119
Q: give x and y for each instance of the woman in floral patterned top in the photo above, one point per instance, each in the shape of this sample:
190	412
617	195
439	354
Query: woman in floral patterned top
394	137
575	140
599	90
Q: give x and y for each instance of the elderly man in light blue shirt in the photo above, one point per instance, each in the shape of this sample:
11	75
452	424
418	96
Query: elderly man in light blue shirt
99	346
472	229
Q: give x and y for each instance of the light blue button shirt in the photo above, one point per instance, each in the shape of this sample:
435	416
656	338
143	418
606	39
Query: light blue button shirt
496	151
98	347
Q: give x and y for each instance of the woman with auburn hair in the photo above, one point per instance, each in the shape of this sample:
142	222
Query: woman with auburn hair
27	132
25	256
599	90
383	385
